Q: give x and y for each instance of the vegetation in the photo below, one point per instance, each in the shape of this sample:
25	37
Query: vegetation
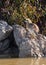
15	11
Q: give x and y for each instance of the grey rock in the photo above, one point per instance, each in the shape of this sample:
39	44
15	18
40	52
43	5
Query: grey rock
5	49
4	44
5	33
5	30
30	43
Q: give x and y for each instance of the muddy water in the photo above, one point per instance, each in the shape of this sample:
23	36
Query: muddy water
22	61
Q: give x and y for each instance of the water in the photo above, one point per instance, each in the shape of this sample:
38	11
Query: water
23	61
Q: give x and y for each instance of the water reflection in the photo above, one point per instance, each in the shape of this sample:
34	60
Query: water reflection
23	61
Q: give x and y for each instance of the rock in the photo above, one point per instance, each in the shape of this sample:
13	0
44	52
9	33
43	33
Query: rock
5	30
4	44
8	47
30	43
4	48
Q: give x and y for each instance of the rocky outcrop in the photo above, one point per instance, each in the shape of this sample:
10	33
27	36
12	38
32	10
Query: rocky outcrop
19	41
29	41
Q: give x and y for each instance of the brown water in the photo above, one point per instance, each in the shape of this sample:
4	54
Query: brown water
22	61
